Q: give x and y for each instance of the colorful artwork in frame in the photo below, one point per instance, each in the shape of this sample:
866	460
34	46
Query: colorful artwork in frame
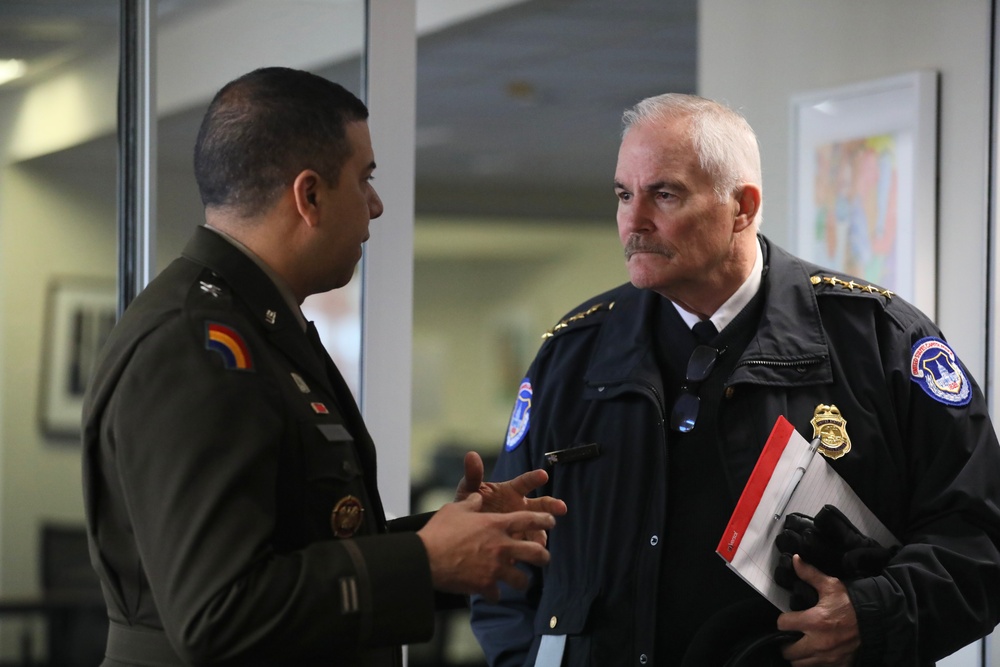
863	182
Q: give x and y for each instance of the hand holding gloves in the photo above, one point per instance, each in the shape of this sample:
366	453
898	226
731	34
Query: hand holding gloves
831	543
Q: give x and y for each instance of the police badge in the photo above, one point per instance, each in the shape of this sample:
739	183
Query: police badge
831	429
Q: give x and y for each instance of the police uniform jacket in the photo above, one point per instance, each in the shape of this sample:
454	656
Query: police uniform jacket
929	467
230	485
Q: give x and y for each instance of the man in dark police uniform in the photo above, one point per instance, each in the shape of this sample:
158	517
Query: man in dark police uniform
229	480
650	405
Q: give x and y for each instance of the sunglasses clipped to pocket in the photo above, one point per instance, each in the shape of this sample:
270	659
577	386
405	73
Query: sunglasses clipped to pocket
685	412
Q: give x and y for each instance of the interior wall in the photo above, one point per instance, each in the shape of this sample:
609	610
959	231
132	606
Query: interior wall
757	55
60	223
484	293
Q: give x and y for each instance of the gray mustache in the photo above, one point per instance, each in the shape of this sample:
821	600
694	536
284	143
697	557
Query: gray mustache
636	243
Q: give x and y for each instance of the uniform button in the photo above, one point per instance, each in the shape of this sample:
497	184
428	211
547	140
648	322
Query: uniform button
553	622
730	391
643	659
654	540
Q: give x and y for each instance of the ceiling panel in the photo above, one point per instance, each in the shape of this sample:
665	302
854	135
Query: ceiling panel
518	112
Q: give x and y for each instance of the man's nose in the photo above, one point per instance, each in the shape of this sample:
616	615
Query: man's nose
634	216
375	207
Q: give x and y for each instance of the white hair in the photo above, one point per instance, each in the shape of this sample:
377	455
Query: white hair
725	143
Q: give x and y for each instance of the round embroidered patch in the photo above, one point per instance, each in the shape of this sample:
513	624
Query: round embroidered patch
518	427
935	368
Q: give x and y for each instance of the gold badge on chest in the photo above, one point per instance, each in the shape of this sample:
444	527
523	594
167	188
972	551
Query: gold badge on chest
831	429
347	515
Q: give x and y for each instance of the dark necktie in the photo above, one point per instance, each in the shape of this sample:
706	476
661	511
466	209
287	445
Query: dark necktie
704	331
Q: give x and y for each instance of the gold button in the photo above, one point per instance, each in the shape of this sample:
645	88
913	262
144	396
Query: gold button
553	621
730	391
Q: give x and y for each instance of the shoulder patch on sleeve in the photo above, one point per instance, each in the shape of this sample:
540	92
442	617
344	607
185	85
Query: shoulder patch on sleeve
934	368
519	417
229	344
576	317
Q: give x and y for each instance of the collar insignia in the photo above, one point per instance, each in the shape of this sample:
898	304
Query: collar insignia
300	383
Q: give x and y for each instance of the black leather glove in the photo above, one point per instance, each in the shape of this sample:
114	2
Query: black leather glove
861	556
803	536
831	543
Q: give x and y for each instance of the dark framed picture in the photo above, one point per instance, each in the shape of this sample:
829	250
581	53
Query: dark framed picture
80	313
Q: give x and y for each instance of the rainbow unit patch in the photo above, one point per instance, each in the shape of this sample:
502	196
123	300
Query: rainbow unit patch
230	345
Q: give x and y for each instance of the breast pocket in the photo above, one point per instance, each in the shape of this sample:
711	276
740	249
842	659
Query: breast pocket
331	456
337	502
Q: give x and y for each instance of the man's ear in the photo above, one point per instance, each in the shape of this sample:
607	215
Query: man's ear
748	200
304	190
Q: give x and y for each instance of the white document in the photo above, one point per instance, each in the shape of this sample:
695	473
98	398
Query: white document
747	545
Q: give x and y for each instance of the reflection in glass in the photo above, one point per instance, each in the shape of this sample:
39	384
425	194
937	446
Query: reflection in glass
58	223
57	228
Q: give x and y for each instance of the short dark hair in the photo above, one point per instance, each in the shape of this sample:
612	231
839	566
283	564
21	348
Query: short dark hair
262	129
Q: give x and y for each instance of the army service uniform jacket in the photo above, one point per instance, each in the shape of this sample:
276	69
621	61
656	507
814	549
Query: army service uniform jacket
230	485
927	464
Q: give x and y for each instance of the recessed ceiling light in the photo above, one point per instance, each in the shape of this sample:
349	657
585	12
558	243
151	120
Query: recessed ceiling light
11	69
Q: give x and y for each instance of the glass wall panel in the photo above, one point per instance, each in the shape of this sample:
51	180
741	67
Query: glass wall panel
322	37
58	254
517	136
518	115
57	300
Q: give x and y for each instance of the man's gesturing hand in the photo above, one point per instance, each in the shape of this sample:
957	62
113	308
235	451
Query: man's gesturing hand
509	496
471	551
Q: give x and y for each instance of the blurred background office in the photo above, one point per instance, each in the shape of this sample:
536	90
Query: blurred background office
496	126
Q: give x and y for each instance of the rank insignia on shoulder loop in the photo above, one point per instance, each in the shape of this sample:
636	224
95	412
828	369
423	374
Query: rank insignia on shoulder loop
576	317
520	417
831	429
210	289
229	344
934	368
346	517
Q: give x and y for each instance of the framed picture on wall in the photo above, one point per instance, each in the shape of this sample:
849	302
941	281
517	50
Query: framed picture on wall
863	182
80	313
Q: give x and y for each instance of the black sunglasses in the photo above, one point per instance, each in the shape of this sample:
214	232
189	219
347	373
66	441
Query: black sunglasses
700	365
